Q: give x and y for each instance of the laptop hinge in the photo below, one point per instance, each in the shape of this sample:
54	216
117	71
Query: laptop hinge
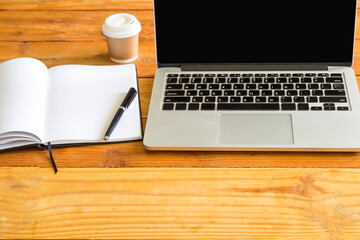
252	67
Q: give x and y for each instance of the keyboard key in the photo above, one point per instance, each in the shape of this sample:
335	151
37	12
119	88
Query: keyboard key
171	80
248	106
273	99
234	75
174	93
185	75
220	80
281	79
317	92
334	93
229	92
244	80
263	86
232	80
294	80
235	99
238	86
184	80
314	86
174	86
303	106
306	79
332	99
208	106
197	99
279	93
288	106
214	86
191	93
329	107
325	86
210	99
336	75
204	93
250	86
311	99
323	74
223	99
318	80
338	86
269	80
342	108
334	80
288	86
299	99
266	93
257	80
193	106
180	106
286	99
260	99
275	86
197	75
201	86
241	93
316	108
172	75
216	93
196	80
300	86
254	93
222	75
304	92
168	106
189	86
226	86
176	99
248	99
285	75
291	92
208	80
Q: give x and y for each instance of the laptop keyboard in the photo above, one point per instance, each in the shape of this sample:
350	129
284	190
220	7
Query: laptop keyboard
252	92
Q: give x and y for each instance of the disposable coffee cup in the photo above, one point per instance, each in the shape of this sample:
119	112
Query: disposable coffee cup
122	36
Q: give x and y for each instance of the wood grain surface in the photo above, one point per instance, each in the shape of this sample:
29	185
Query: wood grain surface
167	203
122	191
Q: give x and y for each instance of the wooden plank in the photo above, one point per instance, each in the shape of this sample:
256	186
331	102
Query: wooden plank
90	53
180	203
41	5
133	154
64	26
95	53
77	26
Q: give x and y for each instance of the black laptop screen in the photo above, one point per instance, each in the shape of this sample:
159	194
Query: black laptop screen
254	31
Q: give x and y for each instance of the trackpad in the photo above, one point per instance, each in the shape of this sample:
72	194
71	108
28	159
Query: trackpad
256	129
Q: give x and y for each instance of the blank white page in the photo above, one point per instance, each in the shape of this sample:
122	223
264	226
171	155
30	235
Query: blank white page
22	96
82	101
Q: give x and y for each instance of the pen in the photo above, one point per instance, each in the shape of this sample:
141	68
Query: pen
124	105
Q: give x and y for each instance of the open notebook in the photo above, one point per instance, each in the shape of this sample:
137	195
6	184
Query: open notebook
67	104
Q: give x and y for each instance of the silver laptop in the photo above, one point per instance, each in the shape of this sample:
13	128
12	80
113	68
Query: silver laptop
254	75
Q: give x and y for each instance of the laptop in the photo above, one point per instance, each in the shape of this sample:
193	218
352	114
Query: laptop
254	76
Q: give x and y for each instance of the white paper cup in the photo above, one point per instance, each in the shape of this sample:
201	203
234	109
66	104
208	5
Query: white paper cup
122	36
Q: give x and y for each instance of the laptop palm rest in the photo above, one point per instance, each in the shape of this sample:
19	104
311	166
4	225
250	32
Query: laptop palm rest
256	129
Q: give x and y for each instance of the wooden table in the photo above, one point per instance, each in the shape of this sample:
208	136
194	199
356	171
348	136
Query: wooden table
123	191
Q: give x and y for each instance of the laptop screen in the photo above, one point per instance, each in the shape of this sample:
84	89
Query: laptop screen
262	31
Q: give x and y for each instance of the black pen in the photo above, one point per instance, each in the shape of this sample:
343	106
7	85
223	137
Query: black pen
124	105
